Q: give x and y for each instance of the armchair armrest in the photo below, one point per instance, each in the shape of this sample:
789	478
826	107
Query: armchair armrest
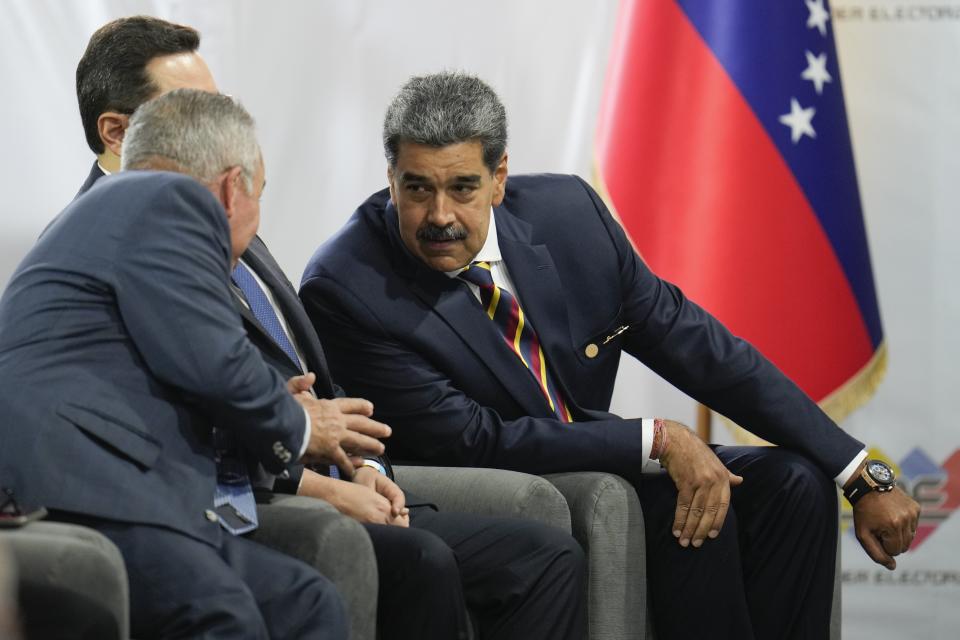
8	594
608	523
314	532
70	577
491	492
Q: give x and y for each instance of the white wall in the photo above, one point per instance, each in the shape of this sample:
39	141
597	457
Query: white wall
899	64
317	77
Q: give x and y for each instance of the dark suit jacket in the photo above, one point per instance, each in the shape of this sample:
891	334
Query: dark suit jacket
95	174
418	345
260	260
113	373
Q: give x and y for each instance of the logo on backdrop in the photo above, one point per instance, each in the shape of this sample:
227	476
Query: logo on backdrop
935	486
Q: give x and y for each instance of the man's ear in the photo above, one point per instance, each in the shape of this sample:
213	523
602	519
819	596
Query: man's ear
229	189
500	181
112	126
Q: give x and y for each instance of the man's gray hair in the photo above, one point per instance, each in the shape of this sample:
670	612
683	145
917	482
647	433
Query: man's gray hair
195	132
443	109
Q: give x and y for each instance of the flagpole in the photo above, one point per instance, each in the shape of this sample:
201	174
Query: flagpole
703	422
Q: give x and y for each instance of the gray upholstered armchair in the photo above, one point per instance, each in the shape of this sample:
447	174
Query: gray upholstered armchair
600	509
82	574
69	578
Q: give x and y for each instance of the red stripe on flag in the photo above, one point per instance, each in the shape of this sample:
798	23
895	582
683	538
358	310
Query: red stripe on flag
711	205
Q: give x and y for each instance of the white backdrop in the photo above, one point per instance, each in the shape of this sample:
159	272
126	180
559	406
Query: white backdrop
317	74
899	62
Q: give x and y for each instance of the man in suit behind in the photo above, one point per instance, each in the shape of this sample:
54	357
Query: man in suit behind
486	318
431	564
120	348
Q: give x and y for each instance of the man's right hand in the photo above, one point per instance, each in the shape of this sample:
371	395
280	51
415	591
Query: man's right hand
340	428
703	484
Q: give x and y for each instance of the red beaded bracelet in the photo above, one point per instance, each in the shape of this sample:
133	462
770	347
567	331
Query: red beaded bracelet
659	446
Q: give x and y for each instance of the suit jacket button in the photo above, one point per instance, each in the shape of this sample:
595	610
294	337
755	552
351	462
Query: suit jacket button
591	351
210	515
282	452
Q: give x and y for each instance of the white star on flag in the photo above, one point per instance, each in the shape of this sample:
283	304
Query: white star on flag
816	71
818	16
799	120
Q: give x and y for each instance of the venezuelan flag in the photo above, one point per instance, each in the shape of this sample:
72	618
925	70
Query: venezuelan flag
723	147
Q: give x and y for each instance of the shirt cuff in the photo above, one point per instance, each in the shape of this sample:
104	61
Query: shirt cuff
306	434
646	445
300	481
848	471
374	464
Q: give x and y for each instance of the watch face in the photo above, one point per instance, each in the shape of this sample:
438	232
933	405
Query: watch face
880	472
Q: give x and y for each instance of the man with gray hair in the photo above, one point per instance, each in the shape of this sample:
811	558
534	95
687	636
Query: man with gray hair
161	144
486	320
121	342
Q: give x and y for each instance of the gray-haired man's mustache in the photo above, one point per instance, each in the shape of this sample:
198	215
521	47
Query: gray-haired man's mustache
433	233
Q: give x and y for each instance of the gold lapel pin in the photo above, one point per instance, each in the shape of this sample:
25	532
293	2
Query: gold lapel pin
615	334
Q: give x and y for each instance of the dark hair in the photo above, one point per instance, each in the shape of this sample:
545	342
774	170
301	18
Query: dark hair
112	76
443	109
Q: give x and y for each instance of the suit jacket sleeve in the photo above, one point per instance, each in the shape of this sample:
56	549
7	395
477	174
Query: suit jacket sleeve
174	300
436	423
692	350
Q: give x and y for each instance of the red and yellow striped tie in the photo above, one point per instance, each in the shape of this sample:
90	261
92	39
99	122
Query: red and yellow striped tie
506	313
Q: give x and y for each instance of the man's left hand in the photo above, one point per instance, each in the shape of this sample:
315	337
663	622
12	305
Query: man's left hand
387	488
885	524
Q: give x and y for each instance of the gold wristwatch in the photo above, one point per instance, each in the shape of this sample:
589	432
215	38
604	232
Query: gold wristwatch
874	475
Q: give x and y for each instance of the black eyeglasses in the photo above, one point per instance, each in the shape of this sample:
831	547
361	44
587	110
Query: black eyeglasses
8	506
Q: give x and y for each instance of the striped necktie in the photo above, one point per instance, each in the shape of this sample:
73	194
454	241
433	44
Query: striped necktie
505	311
